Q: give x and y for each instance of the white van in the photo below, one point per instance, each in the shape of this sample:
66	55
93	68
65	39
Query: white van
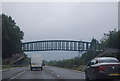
36	62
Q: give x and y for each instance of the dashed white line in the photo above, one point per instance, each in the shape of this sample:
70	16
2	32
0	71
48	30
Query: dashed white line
79	71
18	75
58	75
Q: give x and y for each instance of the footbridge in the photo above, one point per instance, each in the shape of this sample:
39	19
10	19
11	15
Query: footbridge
61	45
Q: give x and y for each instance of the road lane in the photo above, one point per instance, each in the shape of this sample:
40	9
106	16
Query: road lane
12	72
36	74
67	73
49	72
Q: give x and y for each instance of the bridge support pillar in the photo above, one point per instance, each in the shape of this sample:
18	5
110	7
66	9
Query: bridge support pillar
79	53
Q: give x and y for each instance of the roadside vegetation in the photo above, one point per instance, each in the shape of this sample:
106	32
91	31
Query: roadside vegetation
109	40
77	63
112	40
11	37
8	67
24	62
21	63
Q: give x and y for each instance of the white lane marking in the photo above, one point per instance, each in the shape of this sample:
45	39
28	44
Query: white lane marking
69	69
79	71
58	75
18	75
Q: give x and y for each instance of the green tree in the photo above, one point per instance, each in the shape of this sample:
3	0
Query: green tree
11	37
111	39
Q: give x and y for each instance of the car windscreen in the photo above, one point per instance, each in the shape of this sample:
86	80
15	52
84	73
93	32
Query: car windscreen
108	61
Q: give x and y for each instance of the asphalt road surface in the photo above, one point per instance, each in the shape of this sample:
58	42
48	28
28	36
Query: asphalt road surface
48	72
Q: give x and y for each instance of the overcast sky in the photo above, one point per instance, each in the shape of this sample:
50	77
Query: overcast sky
75	21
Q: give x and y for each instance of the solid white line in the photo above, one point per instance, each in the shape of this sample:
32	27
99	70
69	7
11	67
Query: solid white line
18	75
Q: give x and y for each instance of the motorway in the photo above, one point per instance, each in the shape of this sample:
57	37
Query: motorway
48	72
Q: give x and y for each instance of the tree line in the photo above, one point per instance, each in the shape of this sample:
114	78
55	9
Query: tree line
109	40
77	62
11	37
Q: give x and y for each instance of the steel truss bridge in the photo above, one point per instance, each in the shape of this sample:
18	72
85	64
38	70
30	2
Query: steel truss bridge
61	45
